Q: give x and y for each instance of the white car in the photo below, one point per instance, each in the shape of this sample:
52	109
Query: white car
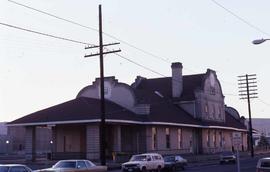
74	166
14	168
263	165
144	162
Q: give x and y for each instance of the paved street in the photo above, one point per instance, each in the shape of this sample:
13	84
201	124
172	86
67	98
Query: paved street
247	165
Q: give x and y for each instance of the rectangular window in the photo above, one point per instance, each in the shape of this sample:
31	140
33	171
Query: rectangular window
215	139
168	144
214	111
206	108
219	113
220	139
212	91
208	138
154	138
179	136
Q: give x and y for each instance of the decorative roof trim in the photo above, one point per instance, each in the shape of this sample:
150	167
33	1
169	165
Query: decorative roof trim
127	122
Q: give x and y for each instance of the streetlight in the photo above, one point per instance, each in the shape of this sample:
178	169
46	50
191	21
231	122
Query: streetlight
259	41
7	143
51	152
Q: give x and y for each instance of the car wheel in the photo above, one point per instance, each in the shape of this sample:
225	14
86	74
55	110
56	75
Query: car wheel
159	169
183	167
144	169
173	169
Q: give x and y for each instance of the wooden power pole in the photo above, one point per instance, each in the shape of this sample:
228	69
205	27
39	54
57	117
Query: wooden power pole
248	88
102	126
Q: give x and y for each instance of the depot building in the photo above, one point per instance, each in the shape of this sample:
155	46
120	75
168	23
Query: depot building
180	114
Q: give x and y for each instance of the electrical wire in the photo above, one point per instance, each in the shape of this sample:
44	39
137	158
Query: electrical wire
268	104
80	42
240	18
44	34
109	35
84	43
94	29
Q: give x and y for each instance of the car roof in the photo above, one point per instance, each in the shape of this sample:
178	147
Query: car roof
265	159
70	160
11	165
150	154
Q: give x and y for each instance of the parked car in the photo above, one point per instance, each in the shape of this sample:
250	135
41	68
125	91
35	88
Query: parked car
144	162
174	163
263	165
75	166
14	168
227	157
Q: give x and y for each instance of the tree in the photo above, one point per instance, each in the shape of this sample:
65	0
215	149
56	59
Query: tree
263	142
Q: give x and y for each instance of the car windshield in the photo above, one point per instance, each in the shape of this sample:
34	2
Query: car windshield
169	158
265	164
65	164
4	169
138	158
227	153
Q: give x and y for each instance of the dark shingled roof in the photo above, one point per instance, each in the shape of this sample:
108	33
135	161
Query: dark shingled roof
164	85
81	108
157	92
84	108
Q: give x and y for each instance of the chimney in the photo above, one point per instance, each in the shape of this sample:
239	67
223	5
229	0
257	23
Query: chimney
177	79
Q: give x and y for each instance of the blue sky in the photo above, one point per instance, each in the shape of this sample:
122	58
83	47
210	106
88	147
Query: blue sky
37	72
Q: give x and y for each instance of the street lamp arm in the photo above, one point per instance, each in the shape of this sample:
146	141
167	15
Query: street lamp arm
259	41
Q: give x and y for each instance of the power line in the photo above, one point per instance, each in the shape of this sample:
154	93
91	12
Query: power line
268	104
44	34
52	15
79	42
84	43
240	18
109	35
151	70
94	29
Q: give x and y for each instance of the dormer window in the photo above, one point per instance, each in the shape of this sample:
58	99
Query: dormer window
212	91
206	108
214	111
219	113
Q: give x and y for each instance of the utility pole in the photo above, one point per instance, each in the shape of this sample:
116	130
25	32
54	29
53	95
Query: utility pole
248	90
102	126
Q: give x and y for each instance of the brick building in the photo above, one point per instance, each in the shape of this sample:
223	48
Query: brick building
169	115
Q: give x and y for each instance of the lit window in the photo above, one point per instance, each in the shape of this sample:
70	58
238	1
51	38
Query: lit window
154	138
179	133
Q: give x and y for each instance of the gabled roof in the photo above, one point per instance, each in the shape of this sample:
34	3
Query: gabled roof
164	85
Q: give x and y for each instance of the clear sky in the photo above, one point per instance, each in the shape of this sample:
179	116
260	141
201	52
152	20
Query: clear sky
37	72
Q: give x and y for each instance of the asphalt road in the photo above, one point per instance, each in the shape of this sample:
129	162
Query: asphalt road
246	165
